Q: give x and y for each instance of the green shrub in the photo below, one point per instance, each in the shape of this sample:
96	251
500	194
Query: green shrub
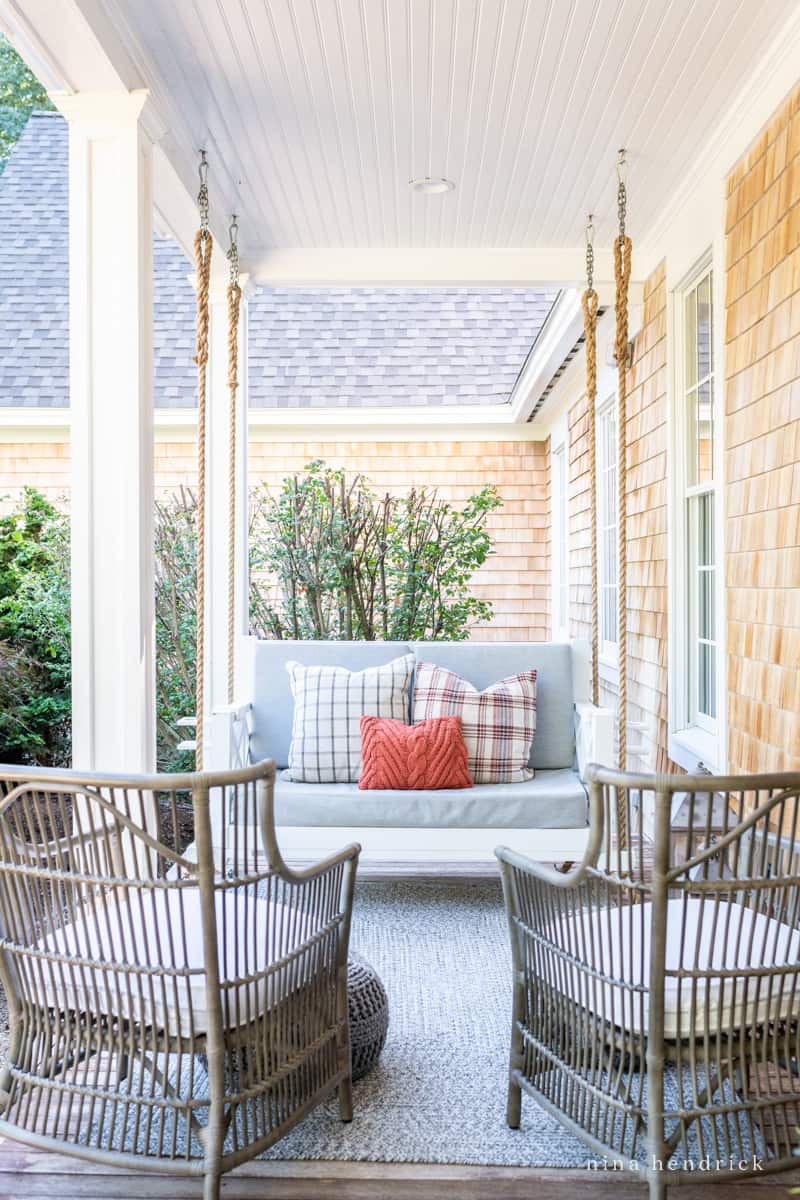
34	633
176	625
331	559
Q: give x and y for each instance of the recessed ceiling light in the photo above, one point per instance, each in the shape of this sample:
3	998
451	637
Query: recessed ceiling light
431	187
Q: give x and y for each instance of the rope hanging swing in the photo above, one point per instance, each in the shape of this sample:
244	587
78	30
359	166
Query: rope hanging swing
234	305
589	303
203	247
622	275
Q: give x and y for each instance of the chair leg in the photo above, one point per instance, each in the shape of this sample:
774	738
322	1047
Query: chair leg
346	1099
658	1186
515	1061
211	1182
514	1105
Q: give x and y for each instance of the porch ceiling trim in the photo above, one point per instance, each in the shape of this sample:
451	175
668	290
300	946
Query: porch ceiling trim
415	267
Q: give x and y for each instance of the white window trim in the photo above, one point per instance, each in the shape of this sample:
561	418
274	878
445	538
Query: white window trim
689	743
559	441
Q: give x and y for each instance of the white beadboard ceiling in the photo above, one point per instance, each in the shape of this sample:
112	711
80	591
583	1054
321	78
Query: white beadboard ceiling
320	111
316	113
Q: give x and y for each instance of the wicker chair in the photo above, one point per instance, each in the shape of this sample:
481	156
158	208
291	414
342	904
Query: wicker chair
657	986
168	1010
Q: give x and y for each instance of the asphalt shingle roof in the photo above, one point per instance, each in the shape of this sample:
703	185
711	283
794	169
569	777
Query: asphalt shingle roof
34	282
309	347
380	347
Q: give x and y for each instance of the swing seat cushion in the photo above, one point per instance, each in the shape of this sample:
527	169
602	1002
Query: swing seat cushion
713	938
110	951
551	800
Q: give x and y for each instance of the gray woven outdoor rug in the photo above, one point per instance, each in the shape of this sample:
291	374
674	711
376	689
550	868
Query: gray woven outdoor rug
438	1092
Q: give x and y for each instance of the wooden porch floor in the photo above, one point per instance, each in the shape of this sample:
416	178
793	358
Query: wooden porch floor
34	1173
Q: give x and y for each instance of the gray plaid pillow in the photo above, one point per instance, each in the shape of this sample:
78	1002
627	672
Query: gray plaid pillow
329	703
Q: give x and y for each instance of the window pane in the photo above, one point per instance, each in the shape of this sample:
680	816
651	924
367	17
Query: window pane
705	530
703	433
704	347
707	680
690	337
705	613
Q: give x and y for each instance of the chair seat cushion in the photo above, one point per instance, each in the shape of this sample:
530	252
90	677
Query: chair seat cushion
717	938
162	928
552	800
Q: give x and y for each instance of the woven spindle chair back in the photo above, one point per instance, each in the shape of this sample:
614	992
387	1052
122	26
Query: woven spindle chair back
177	993
658	983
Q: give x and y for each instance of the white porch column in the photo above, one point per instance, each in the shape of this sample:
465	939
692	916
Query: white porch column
216	748
111	389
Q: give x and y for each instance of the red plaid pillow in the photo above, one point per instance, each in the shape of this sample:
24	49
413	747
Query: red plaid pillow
498	724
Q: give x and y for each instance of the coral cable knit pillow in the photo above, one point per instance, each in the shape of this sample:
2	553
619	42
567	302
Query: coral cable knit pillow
498	724
429	756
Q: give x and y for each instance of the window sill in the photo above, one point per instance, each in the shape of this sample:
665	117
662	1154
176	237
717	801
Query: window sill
691	746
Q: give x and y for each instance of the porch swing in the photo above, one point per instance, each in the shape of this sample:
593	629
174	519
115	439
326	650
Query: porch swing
430	831
656	983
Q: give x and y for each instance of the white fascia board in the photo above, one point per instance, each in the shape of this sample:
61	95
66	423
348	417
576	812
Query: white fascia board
61	47
572	384
414	267
53	424
556	339
448	423
20	424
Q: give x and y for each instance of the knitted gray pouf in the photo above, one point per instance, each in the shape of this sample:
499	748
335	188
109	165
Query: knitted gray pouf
368	1009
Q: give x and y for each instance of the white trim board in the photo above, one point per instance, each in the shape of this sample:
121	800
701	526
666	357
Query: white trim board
46	425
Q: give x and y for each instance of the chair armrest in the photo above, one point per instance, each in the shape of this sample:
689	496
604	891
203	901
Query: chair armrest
594	736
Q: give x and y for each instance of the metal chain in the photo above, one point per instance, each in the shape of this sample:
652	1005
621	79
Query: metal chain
202	195
622	194
590	254
233	252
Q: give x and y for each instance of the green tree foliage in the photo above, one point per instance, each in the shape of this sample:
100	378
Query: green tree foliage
331	559
176	625
20	94
34	633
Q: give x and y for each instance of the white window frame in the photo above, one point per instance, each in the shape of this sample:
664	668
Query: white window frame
559	529
607	519
693	736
